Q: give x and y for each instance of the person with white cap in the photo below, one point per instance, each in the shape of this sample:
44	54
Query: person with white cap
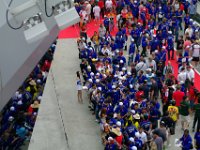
133	148
138	141
131	142
111	144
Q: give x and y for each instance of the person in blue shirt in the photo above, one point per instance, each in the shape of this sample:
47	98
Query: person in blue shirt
144	44
130	129
137	57
197	139
106	23
170	45
138	141
186	140
135	34
186	21
111	144
179	16
132	48
154	44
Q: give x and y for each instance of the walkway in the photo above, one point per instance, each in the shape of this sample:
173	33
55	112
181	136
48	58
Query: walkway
81	130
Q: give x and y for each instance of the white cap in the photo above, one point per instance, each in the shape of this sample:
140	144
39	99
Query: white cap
11	118
113	86
92	74
133	148
12	108
132	111
148	69
137	134
156	51
135	1
121	61
39	98
99	88
115	75
191	20
124	78
131	86
154	35
117	51
131	139
120	103
129	73
90	80
163	47
123	68
97	80
17	93
19	102
132	40
38	81
88	67
118	123
117	66
110	139
19	96
170	32
98	74
196	30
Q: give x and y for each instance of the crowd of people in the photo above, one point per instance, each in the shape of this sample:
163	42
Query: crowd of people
18	117
132	88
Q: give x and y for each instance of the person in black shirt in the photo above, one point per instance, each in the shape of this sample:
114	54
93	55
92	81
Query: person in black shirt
179	47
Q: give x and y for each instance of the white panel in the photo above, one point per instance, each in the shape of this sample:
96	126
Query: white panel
67	18
36	33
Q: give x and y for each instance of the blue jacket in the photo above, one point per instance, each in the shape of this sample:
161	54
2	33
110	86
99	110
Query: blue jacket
186	142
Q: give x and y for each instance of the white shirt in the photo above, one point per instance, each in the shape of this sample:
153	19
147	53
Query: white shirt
109	4
195	50
190	74
189	31
143	137
141	66
182	76
152	64
102	31
96	11
83	13
88	9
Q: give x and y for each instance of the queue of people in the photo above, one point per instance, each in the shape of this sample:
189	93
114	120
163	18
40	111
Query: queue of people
18	117
132	89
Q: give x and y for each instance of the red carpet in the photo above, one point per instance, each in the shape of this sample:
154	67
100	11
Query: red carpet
197	76
73	32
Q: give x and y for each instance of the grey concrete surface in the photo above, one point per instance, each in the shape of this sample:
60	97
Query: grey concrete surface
60	93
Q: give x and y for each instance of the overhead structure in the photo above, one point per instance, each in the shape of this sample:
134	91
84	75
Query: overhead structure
26	33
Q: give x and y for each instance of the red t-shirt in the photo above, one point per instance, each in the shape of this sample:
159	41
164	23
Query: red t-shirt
191	93
178	97
101	4
139	95
119	139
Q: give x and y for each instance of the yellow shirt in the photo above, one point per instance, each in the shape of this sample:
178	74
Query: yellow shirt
173	112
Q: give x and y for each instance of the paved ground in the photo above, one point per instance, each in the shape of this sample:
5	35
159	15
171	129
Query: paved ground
81	129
